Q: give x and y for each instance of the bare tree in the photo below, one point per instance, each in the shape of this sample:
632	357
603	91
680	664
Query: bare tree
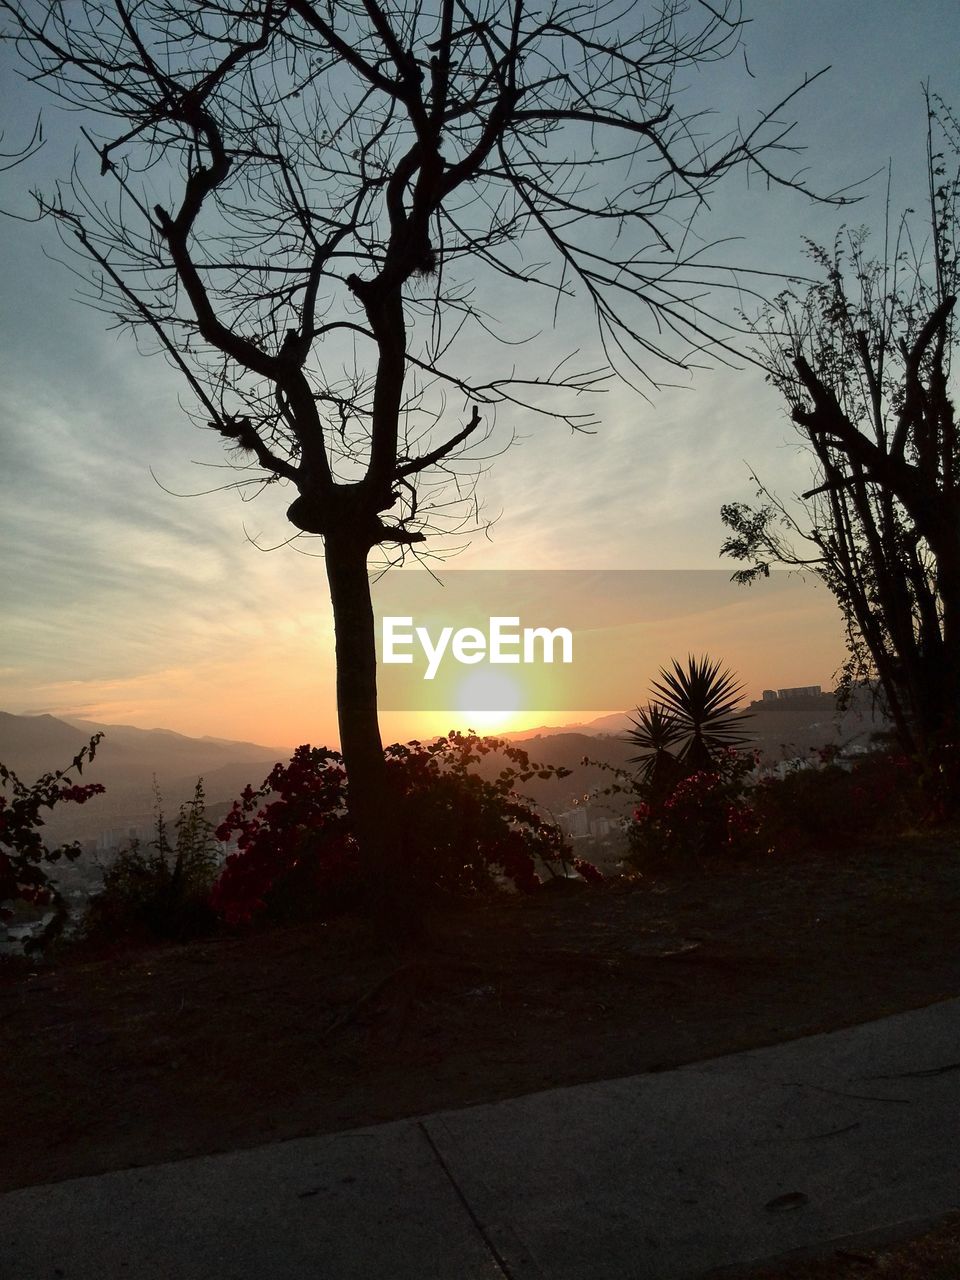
863	360
298	202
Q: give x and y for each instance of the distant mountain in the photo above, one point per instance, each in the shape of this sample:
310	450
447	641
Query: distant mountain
784	726
175	748
126	762
617	723
128	758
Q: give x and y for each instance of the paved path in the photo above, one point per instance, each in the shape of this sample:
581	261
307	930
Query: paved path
653	1177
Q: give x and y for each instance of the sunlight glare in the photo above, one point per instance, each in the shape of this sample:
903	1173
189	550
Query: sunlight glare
488	700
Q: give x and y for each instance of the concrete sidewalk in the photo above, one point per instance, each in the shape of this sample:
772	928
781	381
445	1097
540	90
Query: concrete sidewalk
646	1178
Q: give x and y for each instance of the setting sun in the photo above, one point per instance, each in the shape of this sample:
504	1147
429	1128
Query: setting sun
489	700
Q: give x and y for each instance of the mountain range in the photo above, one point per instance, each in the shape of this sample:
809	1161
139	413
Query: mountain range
129	759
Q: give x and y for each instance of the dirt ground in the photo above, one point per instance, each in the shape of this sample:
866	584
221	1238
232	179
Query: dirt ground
931	1255
173	1051
229	1042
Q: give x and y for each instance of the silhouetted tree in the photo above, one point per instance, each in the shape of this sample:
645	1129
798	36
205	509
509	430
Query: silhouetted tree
863	360
297	201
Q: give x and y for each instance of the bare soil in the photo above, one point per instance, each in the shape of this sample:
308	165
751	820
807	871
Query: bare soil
173	1051
932	1255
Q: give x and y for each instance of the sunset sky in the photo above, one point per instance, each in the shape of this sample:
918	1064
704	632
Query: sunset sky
124	602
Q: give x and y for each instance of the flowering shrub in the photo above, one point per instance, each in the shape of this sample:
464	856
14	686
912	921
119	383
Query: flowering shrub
691	800
455	830
303	834
587	871
830	803
835	806
24	856
707	814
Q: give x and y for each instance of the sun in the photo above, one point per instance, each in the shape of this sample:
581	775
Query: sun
488	700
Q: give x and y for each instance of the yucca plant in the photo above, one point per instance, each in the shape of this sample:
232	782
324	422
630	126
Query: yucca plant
702	701
655	730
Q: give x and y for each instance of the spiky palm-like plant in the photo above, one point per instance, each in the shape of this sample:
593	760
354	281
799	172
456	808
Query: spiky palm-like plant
702	700
655	730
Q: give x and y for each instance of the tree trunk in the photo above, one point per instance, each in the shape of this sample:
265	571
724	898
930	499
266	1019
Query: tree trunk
938	520
390	900
356	700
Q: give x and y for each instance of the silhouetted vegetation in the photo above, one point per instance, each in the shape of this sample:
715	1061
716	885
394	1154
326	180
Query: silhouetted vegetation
460	834
702	809
25	859
293	202
695	707
863	359
160	889
689	788
835	805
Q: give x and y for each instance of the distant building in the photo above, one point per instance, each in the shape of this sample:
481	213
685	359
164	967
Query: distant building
584	823
120	837
791	695
575	822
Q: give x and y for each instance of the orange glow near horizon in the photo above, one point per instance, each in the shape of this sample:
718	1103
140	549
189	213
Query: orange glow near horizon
281	692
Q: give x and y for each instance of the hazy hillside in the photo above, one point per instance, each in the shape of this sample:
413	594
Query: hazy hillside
616	723
128	758
791	727
126	762
800	722
567	750
784	729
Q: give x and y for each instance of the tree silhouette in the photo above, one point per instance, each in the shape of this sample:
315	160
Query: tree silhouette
863	360
298	202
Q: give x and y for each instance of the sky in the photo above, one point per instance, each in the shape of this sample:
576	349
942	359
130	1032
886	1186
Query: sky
126	600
